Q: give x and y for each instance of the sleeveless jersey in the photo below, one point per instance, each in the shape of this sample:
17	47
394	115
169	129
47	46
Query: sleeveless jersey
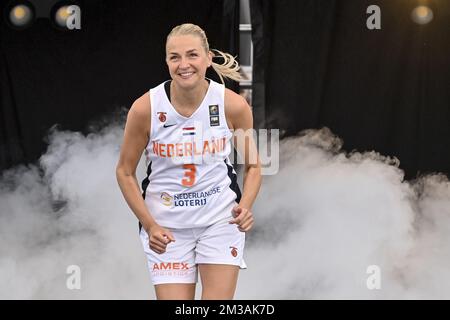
190	181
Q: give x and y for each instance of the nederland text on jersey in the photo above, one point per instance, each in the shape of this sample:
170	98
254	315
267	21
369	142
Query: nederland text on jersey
184	149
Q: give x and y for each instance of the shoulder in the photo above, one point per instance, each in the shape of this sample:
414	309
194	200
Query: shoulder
141	106
235	102
139	115
236	107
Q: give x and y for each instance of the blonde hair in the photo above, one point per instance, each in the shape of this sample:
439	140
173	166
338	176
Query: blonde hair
229	69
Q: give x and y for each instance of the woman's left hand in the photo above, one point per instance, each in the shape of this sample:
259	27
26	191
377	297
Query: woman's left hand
243	218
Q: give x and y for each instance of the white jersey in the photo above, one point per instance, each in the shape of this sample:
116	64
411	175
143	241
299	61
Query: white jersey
190	181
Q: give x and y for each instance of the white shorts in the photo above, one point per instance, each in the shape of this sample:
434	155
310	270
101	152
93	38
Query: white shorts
220	243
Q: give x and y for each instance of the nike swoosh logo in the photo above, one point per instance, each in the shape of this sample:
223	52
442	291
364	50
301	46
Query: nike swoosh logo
168	125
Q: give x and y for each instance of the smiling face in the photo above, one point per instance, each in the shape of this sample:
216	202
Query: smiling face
187	60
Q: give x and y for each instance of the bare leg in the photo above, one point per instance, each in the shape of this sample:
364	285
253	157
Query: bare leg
175	291
218	281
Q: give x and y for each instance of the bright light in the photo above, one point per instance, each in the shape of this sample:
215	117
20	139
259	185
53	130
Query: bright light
19	12
61	16
422	15
20	15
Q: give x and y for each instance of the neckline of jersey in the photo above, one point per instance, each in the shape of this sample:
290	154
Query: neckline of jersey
196	110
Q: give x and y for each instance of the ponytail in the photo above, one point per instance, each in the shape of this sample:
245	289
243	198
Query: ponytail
229	69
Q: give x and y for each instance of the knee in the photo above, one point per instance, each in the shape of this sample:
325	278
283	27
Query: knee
211	294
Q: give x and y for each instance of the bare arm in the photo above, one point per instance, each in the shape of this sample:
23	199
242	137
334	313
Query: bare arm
136	137
240	119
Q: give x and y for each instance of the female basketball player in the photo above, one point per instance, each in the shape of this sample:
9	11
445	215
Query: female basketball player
192	215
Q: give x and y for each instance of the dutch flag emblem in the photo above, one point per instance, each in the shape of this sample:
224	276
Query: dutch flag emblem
189	131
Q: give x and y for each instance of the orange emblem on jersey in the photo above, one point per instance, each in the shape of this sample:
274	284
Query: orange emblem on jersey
234	251
162	116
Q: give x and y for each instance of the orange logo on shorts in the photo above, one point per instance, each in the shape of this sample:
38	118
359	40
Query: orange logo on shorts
170	266
234	251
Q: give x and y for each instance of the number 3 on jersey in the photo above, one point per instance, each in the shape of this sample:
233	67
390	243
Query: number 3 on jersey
189	175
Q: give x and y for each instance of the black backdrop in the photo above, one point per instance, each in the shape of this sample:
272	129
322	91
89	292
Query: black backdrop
50	77
317	64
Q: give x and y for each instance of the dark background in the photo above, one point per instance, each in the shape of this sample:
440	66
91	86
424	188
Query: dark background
315	64
74	78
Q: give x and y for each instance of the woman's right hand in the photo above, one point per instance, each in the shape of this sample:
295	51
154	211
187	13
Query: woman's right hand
159	238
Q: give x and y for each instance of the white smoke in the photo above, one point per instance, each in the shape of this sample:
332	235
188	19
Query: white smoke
71	213
327	216
320	223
